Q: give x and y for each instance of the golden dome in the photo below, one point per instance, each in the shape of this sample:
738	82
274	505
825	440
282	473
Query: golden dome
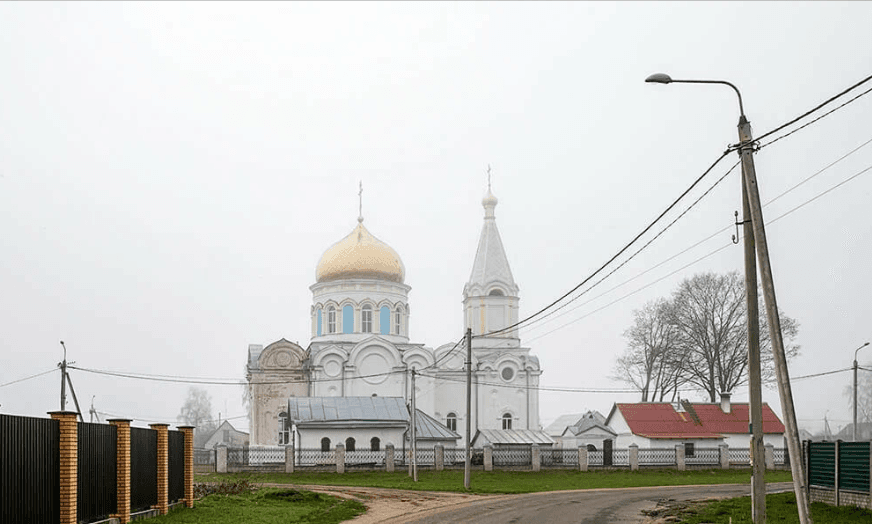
360	255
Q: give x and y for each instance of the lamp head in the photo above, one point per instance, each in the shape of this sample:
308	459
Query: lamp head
659	78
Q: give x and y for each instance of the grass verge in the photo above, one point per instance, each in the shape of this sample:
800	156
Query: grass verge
780	509
265	506
506	481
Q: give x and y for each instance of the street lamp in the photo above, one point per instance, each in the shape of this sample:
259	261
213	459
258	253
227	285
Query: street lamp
755	240
854	433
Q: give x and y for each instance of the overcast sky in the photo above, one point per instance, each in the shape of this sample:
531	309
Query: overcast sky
170	174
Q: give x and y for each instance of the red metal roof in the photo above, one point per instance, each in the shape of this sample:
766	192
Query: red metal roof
660	420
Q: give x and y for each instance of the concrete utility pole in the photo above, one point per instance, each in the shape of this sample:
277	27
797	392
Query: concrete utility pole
757	238
755	401
65	379
467	473
414	432
793	445
854	432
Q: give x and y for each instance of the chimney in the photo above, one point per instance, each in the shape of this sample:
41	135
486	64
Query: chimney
725	402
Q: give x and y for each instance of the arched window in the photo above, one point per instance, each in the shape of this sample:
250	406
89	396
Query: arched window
374	444
398	320
496	293
366	319
331	319
507	421
384	320
318	331
347	319
349	444
451	421
591	447
284	429
325	444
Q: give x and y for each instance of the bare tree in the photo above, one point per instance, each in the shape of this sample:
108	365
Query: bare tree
197	409
710	316
864	398
650	362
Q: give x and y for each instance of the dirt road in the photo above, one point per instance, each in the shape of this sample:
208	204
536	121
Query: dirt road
593	506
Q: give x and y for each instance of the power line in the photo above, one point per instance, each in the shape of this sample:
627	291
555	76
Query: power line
810	111
27	378
616	255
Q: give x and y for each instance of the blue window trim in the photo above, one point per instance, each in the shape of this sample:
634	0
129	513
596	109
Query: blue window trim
384	320
347	319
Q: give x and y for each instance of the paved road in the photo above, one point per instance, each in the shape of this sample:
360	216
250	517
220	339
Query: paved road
601	506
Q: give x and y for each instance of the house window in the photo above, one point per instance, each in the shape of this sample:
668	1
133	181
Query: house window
507	421
331	319
688	449
226	435
349	444
284	429
366	319
591	447
325	444
374	444
496	293
451	421
398	316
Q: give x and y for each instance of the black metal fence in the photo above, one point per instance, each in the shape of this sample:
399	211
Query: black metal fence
143	468
97	479
176	451
29	469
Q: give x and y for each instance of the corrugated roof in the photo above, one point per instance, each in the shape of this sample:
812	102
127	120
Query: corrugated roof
511	436
328	409
428	428
660	420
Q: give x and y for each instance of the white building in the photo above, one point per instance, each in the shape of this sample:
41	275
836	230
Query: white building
361	347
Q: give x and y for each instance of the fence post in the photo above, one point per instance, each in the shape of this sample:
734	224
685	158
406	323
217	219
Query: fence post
582	458
536	457
806	455
163	468
289	459
488	457
68	465
340	458
769	456
122	469
634	456
724	455
838	472
439	456
679	457
188	432
389	458
221	459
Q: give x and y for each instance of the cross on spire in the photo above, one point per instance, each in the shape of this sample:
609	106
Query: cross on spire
360	197
488	177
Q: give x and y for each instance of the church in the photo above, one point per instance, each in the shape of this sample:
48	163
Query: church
360	347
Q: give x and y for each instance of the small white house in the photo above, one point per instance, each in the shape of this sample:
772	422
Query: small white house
704	425
228	435
589	431
361	423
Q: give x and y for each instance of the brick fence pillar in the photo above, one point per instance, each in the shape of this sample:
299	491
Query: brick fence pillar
188	432
439	456
488	457
634	457
122	469
535	457
340	458
389	458
69	465
163	468
582	458
679	457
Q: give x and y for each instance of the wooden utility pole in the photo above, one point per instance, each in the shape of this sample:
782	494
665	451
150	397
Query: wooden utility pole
753	196
467	473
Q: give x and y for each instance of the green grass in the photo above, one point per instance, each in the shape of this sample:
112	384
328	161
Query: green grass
506	481
265	506
780	509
